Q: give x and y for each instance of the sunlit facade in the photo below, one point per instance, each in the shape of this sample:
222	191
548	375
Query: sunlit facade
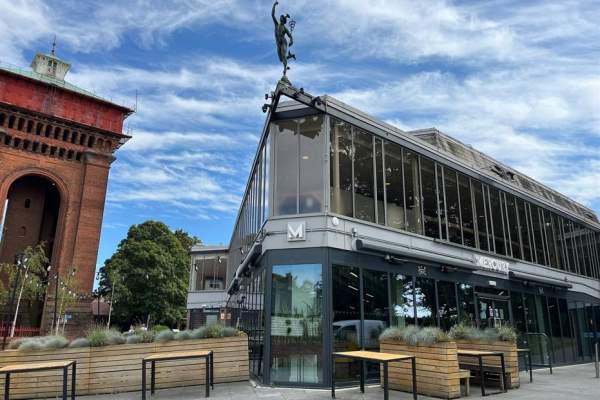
349	225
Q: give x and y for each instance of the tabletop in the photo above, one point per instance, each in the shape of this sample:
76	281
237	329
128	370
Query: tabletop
178	354
478	353
36	366
373	355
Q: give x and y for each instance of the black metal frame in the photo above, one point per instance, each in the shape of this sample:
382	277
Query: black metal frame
65	368
482	369
363	361
209	371
527	354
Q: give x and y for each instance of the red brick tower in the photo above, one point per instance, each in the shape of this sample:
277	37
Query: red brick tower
56	147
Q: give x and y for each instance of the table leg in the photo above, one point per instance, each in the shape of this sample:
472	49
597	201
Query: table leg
362	376
152	377
73	380
212	370
530	369
504	383
386	394
143	380
414	377
333	377
7	386
482	376
207	377
65	374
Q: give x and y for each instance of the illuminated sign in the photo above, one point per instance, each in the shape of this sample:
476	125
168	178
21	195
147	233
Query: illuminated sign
492	264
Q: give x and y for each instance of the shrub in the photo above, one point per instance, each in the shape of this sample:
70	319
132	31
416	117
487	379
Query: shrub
215	331
31	345
230	332
164	336
55	342
183	335
199	333
15	343
97	336
160	328
133	339
465	332
79	342
145	336
114	337
413	335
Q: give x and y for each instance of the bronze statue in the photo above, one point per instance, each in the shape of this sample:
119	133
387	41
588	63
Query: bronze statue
281	31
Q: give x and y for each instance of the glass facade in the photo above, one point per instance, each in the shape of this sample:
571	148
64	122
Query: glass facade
209	272
426	197
296	324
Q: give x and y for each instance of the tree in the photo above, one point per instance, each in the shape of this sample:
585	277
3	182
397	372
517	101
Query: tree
148	275
27	277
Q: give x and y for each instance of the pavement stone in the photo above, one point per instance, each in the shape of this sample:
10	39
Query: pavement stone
575	382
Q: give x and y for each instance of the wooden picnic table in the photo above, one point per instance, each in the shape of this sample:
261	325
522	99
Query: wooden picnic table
42	366
180	355
380	358
480	355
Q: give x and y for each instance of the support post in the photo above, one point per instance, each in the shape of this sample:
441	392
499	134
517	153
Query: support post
597	361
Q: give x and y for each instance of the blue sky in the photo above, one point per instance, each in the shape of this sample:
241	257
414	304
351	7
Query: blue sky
519	80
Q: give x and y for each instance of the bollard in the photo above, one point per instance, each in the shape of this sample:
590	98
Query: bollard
596	362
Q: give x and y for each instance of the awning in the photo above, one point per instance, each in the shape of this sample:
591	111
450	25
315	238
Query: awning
539	281
361	244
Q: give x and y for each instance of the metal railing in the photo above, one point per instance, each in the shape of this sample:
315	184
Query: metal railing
540	345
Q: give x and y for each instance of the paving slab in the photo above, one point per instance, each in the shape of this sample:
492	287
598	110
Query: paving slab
576	382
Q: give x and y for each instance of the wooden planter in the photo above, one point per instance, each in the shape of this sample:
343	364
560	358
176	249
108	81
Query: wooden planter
437	369
115	369
511	358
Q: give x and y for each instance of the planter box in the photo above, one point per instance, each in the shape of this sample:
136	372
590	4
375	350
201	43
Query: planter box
115	369
437	369
511	358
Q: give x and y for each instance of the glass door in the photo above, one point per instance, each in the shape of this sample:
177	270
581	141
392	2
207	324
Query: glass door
493	313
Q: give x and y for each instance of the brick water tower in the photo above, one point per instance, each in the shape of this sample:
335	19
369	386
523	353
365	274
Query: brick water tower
57	143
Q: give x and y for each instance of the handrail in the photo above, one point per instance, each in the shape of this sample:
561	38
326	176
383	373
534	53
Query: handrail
549	347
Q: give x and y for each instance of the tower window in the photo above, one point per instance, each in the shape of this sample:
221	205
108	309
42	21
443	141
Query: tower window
27	203
22	231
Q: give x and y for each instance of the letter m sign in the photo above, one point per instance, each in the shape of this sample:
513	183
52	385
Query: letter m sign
296	231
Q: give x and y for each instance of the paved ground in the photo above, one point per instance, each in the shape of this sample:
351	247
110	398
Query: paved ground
567	383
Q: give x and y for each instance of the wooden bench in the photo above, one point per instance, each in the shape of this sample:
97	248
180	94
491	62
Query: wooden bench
42	366
181	355
482	369
380	358
465	377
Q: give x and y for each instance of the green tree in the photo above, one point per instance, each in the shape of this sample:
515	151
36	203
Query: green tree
28	274
148	275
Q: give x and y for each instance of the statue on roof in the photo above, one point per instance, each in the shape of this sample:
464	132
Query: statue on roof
281	31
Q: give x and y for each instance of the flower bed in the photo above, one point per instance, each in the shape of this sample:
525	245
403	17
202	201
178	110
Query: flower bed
437	362
117	368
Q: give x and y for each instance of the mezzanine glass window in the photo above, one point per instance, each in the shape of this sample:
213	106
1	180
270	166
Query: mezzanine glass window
412	198
299	165
364	188
394	186
380	181
513	226
341	150
497	222
481	212
538	235
430	200
452	206
524	230
466	210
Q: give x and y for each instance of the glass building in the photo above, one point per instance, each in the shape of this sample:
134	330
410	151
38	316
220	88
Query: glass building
349	225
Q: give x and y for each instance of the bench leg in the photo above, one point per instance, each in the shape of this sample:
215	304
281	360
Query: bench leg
467	387
482	376
65	374
386	394
504	382
212	370
530	369
362	376
207	377
73	380
332	377
152	377
143	380
414	377
6	386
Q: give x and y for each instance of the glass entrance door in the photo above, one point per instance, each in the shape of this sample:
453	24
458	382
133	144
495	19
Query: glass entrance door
493	313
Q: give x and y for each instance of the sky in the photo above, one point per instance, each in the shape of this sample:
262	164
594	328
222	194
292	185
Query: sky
518	80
